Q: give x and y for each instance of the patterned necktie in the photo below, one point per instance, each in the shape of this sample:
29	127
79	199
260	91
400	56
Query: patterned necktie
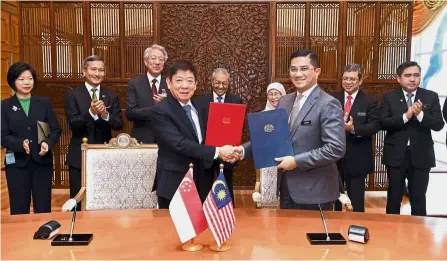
154	87
187	108
295	110
219	99
348	104
409	102
94	94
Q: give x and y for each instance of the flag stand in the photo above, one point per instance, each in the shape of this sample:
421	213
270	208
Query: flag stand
191	246
224	247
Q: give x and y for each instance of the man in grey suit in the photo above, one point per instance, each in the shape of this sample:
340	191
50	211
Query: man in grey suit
310	178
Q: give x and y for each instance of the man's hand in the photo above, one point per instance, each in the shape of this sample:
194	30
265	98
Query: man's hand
94	107
417	108
159	98
226	153
287	163
349	125
43	148
409	113
238	152
26	146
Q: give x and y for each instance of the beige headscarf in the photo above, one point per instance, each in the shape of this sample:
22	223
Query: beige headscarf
274	86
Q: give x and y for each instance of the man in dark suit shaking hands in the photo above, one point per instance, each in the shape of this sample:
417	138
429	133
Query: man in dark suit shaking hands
92	111
409	114
220	82
179	129
144	91
362	122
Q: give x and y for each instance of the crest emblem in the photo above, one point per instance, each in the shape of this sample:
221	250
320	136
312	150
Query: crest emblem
14	108
226	120
269	128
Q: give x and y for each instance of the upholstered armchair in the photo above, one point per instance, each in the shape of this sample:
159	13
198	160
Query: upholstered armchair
118	175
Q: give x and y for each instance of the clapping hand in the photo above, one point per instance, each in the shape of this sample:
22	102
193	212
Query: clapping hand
26	146
43	148
349	125
416	108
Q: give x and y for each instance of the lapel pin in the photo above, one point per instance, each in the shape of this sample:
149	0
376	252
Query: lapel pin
14	108
103	96
401	100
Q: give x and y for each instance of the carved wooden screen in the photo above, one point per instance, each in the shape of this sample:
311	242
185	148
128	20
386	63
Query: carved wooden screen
239	43
36	37
69	44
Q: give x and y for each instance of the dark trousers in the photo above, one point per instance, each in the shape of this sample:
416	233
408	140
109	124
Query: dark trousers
356	193
417	187
32	180
163	203
286	202
75	183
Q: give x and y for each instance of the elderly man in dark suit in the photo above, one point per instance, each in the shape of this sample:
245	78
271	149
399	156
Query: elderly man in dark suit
92	111
144	91
409	114
362	122
220	82
179	128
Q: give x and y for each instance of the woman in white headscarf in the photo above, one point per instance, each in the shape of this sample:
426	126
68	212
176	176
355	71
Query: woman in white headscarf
268	188
275	91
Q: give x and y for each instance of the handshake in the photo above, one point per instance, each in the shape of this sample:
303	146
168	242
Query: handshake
230	153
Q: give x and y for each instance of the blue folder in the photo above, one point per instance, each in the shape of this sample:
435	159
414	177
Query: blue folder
269	136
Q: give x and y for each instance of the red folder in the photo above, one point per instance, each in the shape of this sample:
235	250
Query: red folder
225	123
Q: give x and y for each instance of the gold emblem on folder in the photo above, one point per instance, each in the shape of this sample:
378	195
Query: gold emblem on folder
226	120
269	128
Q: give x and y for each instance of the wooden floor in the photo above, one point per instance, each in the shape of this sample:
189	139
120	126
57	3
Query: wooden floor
375	200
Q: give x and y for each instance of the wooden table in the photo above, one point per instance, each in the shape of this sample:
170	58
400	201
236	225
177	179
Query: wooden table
259	234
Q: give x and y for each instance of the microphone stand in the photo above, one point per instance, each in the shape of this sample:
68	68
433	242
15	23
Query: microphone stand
72	239
73	219
325	238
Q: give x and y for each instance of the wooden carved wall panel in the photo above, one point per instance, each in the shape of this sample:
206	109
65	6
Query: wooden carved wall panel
290	34
105	35
360	36
233	36
138	36
324	36
393	38
69	39
36	37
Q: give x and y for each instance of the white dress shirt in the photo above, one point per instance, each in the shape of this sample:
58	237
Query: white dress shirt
157	84
419	117
215	97
89	89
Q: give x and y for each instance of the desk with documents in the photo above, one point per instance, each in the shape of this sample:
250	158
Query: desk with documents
259	234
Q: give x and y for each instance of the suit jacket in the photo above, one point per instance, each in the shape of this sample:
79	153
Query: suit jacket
178	146
17	126
394	105
139	102
359	159
318	140
82	124
444	112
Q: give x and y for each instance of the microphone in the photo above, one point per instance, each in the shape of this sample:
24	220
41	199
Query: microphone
325	238
71	239
69	205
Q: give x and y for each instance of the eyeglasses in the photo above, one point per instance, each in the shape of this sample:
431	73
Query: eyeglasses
345	79
224	84
155	58
303	70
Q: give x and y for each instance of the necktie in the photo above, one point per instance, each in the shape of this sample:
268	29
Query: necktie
154	87
295	110
409	102
348	104
187	108
219	99
94	94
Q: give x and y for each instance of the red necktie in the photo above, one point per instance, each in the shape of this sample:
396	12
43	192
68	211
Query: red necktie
154	87
348	104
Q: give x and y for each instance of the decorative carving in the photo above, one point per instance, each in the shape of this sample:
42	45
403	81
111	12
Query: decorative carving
239	43
122	141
